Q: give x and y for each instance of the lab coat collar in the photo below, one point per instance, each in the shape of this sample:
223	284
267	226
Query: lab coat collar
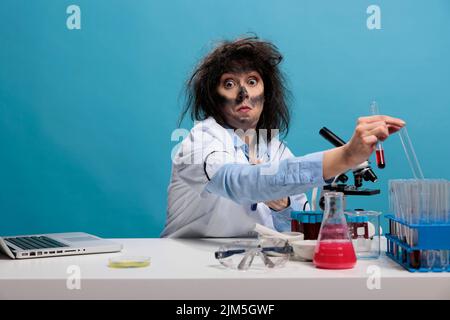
238	143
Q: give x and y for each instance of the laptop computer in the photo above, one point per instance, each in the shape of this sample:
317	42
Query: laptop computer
55	244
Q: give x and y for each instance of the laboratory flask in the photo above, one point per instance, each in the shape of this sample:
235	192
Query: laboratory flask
334	249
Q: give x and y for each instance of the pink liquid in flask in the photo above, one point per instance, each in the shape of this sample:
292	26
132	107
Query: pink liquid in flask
332	254
334	249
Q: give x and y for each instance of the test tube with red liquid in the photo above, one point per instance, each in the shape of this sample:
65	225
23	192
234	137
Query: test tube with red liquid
379	152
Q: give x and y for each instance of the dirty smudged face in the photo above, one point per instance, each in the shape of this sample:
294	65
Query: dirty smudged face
242	98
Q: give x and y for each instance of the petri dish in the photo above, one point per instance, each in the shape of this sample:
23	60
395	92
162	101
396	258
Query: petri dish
125	262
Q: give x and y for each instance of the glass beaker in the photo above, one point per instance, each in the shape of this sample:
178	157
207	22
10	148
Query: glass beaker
364	228
334	249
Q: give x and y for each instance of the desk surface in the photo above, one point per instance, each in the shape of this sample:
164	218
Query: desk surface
187	269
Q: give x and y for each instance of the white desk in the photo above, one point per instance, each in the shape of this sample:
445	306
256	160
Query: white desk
187	269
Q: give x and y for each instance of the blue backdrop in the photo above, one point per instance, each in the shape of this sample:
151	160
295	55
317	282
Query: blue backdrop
86	115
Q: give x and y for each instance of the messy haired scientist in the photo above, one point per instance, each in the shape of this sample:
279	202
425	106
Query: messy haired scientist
233	170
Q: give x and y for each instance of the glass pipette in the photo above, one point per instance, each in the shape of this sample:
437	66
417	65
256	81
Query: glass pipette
379	152
410	154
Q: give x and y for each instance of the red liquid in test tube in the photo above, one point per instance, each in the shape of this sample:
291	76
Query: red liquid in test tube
379	153
380	158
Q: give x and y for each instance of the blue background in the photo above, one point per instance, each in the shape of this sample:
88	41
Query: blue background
86	115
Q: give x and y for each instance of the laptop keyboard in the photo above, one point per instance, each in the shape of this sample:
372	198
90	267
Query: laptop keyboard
42	242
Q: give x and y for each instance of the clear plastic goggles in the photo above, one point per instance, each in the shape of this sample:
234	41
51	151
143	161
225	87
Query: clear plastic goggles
240	255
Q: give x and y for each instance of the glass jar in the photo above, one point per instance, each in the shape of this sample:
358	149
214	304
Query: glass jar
364	230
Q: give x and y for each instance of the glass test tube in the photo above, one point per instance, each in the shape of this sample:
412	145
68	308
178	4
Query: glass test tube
379	152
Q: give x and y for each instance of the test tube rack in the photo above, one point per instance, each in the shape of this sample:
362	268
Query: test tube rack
426	237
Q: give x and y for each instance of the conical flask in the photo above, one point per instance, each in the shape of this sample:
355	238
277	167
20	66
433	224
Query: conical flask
334	249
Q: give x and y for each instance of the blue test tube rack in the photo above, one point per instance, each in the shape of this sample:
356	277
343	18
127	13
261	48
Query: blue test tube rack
429	237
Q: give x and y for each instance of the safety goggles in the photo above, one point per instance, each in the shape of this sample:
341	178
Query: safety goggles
240	255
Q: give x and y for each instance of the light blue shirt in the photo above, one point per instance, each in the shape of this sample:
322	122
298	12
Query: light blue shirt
311	166
213	185
246	185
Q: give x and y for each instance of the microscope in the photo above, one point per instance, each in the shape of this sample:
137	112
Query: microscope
309	222
361	172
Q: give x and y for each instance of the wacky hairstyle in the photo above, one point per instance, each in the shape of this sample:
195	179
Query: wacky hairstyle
203	100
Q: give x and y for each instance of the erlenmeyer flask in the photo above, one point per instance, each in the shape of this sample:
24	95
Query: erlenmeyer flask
334	249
